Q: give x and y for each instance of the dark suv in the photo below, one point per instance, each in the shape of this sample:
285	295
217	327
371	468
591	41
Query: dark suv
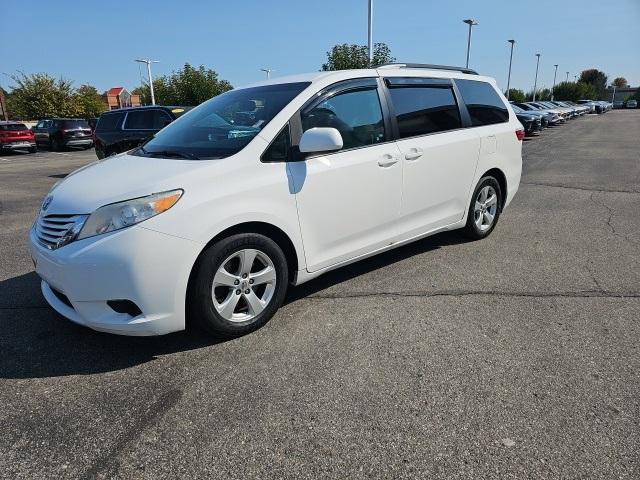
60	133
120	130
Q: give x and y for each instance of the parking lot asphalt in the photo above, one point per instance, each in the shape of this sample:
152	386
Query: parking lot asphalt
512	357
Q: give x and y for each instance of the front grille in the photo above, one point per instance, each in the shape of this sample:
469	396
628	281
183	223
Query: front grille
55	230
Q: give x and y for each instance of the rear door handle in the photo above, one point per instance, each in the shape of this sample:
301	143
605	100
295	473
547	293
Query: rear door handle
413	154
387	160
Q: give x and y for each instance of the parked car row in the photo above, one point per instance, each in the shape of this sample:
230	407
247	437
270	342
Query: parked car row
625	104
536	116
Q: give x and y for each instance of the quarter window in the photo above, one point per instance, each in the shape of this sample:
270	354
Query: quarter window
483	103
356	114
423	110
278	151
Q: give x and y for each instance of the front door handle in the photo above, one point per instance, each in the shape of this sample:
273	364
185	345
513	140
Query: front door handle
387	160
413	154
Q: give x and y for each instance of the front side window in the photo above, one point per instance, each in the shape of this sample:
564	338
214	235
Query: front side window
356	114
421	110
222	126
109	121
483	103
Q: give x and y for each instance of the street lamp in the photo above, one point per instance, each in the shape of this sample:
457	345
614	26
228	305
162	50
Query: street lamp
471	22
535	82
567	76
370	36
512	42
553	90
267	71
148	61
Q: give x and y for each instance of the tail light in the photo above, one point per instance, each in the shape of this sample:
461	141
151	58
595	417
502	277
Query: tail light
520	134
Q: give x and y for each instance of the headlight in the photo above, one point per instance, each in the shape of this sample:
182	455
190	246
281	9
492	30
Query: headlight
124	214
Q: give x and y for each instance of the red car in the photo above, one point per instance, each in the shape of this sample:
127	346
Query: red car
16	136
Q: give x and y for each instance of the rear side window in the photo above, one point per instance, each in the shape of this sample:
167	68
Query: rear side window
484	105
109	121
147	120
356	114
422	110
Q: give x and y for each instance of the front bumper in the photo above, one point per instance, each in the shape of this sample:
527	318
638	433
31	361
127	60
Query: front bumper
148	268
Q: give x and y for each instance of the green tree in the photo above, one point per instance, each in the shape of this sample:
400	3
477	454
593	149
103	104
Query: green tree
542	94
90	101
347	56
40	95
188	86
620	82
574	91
595	78
516	95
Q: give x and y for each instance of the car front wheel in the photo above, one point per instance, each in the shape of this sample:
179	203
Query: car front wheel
485	208
238	284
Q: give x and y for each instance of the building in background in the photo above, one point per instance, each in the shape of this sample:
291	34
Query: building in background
119	97
622	94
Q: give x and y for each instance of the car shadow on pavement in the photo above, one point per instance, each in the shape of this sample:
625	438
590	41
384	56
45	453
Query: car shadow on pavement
36	342
376	262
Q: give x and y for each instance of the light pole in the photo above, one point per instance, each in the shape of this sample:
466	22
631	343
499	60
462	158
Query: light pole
567	76
370	42
471	22
535	82
553	90
512	42
267	71
613	97
148	61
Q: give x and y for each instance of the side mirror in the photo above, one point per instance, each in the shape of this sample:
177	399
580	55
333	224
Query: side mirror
320	139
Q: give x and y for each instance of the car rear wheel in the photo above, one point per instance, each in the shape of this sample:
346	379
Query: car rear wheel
33	149
485	208
238	285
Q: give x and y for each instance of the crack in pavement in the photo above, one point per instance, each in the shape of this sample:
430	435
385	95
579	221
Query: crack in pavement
611	212
497	293
586	189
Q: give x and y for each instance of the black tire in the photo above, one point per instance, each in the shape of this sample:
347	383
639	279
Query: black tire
201	309
471	229
33	149
51	149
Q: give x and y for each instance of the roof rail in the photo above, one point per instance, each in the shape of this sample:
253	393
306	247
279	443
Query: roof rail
429	66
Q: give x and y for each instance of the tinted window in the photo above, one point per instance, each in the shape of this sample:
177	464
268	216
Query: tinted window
13	127
278	151
356	114
423	110
153	119
75	124
484	105
224	125
109	121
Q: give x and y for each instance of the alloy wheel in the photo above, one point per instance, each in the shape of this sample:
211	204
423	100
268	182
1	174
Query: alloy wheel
485	209
243	285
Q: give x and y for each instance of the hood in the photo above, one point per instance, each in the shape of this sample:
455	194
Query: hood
118	178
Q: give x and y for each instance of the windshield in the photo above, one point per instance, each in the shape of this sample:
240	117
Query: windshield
516	108
222	126
13	127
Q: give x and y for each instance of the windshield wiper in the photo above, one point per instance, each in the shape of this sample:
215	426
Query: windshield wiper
171	153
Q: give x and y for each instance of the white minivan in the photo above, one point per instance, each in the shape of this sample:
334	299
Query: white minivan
271	185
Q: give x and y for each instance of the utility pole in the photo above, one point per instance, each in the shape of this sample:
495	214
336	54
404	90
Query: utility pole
148	61
512	42
535	82
471	22
267	71
613	97
553	90
370	43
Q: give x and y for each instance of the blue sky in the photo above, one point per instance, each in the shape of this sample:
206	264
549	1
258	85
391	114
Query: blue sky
95	44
